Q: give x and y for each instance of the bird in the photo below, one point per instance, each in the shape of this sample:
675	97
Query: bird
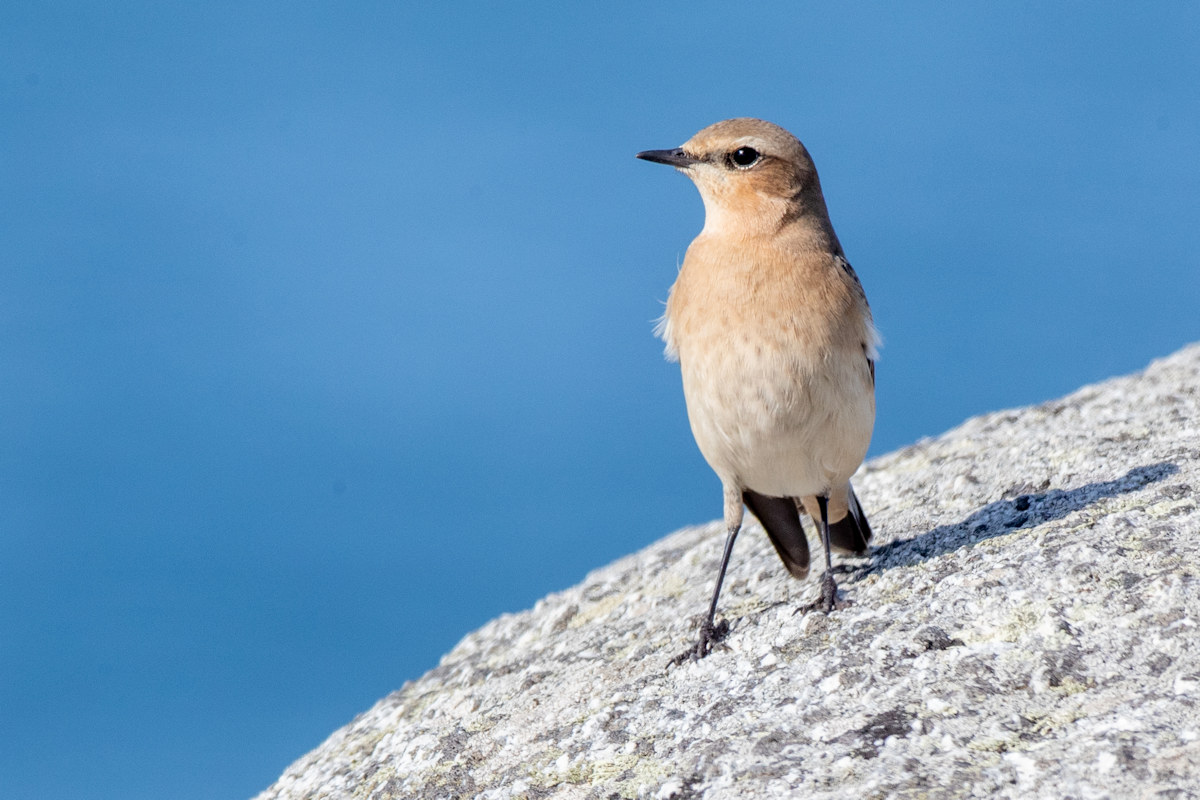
776	345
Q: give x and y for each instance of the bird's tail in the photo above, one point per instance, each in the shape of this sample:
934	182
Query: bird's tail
780	518
851	533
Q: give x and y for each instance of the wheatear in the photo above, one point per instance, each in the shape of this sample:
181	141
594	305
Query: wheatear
776	344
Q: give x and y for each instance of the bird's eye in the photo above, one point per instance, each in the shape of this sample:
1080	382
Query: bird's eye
744	157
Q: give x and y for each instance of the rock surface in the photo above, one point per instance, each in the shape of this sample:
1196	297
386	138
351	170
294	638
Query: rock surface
1025	626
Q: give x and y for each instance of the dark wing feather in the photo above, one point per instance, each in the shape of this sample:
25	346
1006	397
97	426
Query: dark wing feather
851	533
780	518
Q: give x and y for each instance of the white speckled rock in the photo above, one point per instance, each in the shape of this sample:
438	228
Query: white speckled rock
1027	625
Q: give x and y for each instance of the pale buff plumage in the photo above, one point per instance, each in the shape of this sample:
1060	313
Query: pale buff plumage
772	331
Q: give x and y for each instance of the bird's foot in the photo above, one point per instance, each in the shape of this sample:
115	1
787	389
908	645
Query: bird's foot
828	601
828	592
709	635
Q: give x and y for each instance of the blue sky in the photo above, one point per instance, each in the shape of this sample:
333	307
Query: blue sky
326	328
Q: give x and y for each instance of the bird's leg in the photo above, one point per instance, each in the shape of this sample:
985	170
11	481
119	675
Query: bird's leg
710	633
828	586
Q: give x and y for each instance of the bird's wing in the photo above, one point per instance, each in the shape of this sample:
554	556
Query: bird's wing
780	518
851	533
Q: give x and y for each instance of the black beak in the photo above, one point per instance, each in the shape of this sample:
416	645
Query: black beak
675	158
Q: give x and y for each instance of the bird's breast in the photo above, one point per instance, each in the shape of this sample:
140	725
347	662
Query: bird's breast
777	385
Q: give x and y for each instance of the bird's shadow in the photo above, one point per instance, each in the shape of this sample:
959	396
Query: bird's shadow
1004	516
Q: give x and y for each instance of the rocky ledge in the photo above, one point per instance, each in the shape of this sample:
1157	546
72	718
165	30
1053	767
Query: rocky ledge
1024	626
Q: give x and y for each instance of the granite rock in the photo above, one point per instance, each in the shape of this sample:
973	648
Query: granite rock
1025	626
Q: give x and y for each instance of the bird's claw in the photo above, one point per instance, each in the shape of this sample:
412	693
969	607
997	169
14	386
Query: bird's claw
828	601
828	593
709	635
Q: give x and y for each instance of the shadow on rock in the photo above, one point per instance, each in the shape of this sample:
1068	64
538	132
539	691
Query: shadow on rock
1004	516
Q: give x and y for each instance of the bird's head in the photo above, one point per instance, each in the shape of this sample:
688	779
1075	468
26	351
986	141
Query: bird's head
751	173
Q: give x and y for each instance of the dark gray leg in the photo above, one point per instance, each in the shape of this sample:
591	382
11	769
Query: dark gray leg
828	586
709	633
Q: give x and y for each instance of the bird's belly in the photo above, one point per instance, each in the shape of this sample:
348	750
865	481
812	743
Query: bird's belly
782	425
